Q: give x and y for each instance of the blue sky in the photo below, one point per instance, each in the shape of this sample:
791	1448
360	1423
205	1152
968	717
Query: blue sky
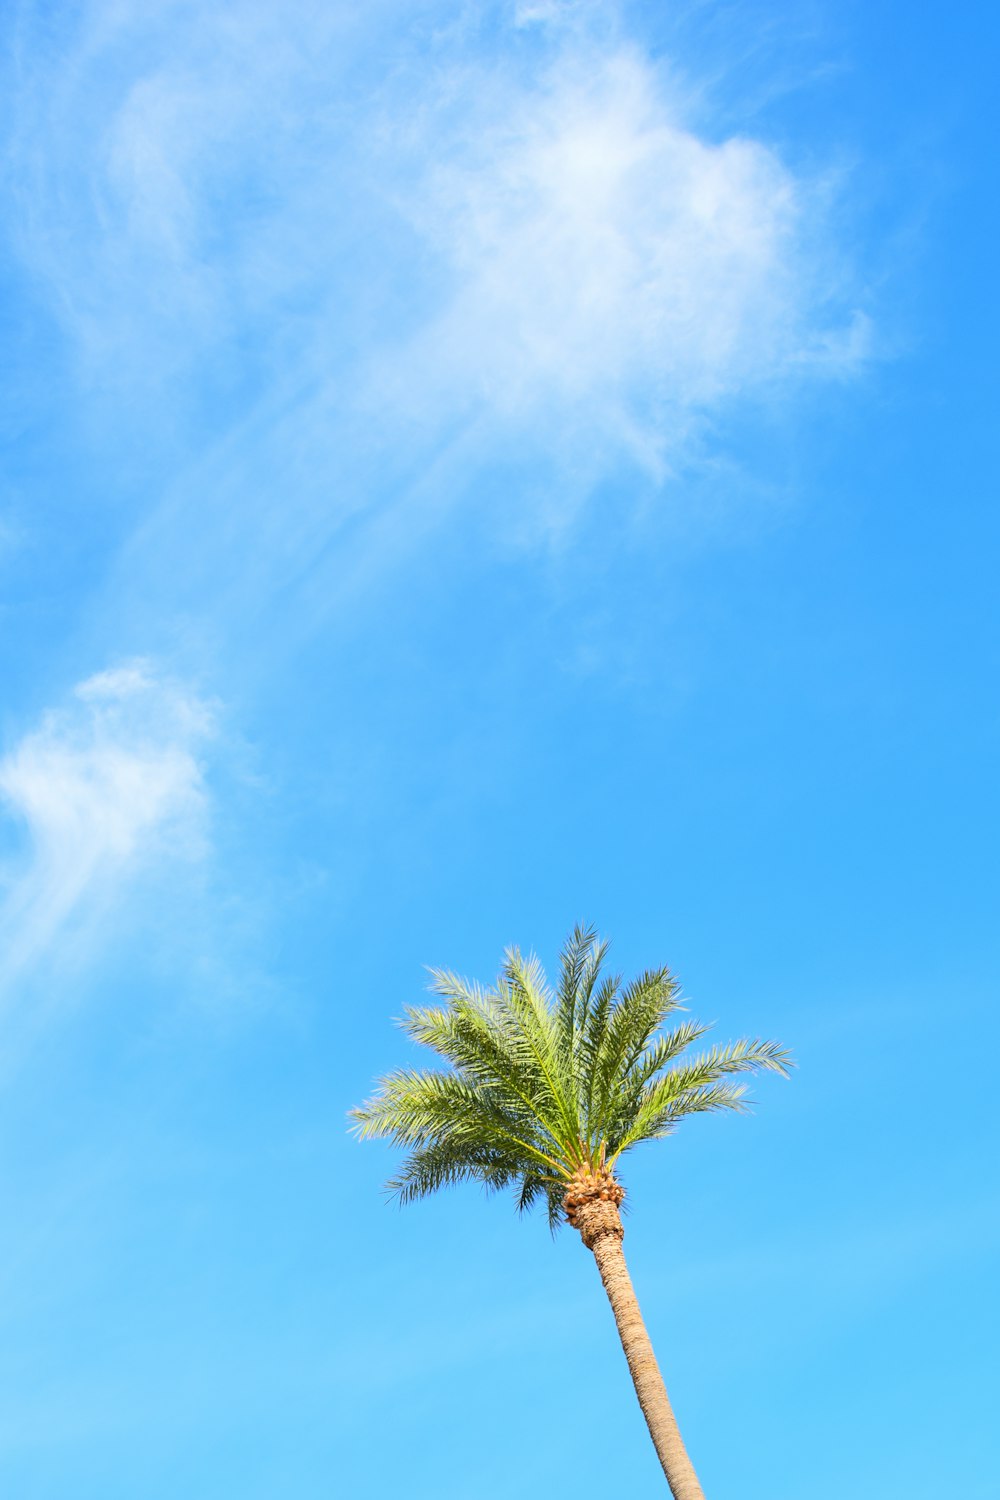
470	469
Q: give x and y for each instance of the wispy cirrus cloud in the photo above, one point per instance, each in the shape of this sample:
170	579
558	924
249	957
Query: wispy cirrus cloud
612	277
107	786
414	239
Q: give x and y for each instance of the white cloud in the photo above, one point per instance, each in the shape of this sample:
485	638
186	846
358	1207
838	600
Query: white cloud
611	274
546	12
105	786
419	243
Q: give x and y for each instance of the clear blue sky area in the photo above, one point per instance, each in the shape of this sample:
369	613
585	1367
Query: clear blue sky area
472	469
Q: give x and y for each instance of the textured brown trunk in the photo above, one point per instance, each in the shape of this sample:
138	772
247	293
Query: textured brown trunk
600	1225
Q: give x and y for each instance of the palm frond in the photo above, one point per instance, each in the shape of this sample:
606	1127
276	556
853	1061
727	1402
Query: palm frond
535	1035
579	965
695	1101
654	1057
478	1035
538	1084
632	1021
442	1164
422	1109
681	1090
592	1042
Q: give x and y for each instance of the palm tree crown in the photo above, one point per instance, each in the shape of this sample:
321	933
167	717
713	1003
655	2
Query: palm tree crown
547	1089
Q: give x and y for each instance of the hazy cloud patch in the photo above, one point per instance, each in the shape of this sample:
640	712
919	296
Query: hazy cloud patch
107	785
612	275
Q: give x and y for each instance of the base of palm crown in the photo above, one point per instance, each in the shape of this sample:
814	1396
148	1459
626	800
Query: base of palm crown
591	1202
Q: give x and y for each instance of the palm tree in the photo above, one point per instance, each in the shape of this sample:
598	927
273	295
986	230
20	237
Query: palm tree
545	1092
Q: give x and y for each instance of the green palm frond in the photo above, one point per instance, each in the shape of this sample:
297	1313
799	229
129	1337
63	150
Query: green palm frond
540	1084
447	1162
579	969
689	1089
632	1021
533	1010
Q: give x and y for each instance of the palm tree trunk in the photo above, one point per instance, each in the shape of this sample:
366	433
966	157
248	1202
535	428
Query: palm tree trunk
646	1377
